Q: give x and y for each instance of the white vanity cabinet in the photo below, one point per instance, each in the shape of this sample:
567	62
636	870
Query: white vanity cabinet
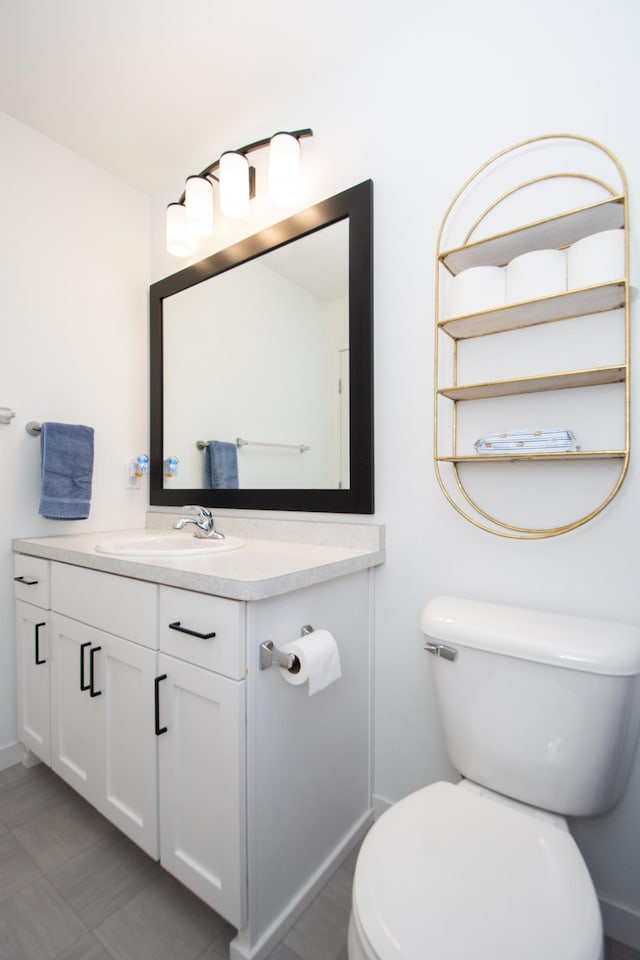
159	710
146	722
31	588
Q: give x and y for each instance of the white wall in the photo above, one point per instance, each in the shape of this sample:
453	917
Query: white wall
418	116
74	270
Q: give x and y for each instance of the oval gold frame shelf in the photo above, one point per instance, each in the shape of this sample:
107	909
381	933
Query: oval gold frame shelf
558	230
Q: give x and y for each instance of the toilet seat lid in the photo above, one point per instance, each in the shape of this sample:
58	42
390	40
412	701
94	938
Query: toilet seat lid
450	873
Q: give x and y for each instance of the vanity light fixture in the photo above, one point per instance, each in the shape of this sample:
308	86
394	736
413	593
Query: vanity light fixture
235	185
191	217
198	205
284	168
180	241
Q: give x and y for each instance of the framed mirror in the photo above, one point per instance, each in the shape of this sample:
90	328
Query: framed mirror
262	368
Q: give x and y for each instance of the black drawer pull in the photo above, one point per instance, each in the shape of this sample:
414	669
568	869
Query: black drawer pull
26	583
92	691
192	633
158	728
83	647
39	661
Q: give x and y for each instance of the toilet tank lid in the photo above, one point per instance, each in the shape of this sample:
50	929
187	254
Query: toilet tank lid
576	643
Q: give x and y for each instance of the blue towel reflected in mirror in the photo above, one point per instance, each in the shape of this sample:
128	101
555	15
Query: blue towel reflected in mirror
221	465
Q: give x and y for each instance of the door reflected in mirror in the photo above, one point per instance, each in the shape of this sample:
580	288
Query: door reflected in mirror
261	368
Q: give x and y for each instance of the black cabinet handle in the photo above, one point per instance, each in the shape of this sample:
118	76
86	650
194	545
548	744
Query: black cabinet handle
192	633
158	728
83	684
27	583
92	691
39	661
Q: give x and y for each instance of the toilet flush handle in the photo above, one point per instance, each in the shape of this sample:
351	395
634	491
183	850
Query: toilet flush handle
441	650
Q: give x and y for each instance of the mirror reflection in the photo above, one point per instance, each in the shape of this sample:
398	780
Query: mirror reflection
264	404
262	368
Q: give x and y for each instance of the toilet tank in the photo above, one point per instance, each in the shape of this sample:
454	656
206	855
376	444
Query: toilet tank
541	707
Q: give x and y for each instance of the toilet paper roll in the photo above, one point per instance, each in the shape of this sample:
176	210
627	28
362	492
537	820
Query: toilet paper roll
598	258
475	290
538	273
319	661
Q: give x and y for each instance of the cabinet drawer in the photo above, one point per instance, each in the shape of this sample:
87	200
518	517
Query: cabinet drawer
223	652
35	583
127	608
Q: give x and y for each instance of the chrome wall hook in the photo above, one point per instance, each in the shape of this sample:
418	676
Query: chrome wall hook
6	414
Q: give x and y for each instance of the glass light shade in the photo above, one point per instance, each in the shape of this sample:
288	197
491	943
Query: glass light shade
234	185
284	168
180	242
198	204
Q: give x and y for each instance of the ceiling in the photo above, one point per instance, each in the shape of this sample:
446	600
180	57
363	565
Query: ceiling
126	83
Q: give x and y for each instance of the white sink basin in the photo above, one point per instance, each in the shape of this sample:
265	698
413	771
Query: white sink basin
165	545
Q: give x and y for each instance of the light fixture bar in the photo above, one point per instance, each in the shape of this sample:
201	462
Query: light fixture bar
191	217
249	148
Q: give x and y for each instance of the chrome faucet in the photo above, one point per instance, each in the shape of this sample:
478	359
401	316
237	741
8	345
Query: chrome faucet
205	524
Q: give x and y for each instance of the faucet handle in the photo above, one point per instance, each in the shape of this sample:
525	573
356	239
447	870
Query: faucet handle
203	511
204	522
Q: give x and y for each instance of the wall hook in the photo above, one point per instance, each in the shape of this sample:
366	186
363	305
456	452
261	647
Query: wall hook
6	414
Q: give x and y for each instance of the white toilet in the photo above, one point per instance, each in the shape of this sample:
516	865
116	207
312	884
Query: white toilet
540	715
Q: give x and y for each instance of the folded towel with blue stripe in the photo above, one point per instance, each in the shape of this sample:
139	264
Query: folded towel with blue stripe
67	471
221	465
527	441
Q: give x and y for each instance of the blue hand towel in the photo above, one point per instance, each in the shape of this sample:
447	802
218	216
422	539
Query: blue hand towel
67	471
221	465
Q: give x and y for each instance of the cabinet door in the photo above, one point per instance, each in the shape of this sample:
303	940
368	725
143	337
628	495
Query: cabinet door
32	637
75	714
102	725
124	674
202	784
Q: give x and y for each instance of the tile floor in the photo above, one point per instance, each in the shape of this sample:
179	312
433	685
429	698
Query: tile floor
72	887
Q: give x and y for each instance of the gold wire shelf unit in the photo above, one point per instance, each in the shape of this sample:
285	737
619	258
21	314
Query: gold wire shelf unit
485	245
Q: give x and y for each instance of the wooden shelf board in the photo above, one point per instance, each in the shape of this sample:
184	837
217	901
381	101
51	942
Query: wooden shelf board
563	306
558	231
512	457
555	381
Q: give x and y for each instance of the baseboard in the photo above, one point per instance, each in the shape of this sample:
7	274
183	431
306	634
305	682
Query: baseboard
9	755
243	947
621	923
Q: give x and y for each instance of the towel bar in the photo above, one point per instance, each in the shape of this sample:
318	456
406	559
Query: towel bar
240	442
34	428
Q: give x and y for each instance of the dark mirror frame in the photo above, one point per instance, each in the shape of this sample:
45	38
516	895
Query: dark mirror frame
356	204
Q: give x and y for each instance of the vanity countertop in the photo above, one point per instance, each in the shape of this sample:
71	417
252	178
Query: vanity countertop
258	569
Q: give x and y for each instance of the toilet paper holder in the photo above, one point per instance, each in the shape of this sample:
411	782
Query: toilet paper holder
270	656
